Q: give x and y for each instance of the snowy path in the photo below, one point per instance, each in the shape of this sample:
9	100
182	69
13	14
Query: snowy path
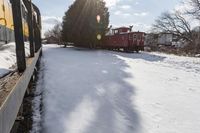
109	92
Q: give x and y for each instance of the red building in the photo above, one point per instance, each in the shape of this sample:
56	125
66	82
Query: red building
124	38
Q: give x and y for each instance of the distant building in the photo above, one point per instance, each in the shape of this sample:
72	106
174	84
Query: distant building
153	39
51	40
165	39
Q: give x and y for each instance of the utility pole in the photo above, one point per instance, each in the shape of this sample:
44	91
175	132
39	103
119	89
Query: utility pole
19	37
199	37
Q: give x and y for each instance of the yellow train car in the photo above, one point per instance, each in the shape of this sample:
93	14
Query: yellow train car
6	22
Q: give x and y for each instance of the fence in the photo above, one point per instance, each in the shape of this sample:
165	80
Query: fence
14	93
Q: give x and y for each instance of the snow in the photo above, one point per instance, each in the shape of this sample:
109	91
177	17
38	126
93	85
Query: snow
87	91
197	55
36	103
8	57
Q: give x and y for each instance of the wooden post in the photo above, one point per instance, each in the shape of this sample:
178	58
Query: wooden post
37	28
35	34
30	27
19	37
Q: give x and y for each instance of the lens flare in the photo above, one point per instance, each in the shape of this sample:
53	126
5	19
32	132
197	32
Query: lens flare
98	18
99	37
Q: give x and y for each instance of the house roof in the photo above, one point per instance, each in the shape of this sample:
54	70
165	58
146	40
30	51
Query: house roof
121	28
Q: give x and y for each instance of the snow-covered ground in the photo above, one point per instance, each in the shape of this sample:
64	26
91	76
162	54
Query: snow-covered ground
88	91
8	57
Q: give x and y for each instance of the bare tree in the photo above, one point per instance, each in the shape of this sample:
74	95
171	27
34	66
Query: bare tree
195	13
179	23
151	40
54	32
174	23
48	34
195	9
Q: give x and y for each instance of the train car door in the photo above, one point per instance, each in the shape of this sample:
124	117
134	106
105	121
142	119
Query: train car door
130	39
134	39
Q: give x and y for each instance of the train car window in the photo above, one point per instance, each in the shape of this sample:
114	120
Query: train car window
134	36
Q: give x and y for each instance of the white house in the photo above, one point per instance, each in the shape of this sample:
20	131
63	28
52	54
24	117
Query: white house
165	39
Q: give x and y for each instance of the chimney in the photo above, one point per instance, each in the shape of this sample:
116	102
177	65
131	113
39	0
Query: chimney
131	27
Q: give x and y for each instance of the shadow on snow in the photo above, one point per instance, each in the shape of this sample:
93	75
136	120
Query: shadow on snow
86	91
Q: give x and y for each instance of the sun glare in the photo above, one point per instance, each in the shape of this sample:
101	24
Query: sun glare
98	18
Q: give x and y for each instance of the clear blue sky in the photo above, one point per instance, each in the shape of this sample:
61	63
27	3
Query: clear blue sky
139	13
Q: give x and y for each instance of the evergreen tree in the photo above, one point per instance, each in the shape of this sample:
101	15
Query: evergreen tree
81	25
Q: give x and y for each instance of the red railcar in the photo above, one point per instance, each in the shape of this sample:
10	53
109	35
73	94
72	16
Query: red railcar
124	38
